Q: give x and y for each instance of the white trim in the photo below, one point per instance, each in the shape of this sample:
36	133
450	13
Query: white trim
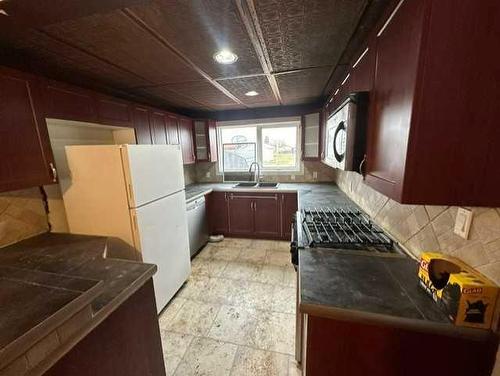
360	58
381	31
259	125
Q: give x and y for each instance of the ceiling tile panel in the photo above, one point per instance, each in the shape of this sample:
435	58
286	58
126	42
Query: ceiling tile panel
199	29
114	37
300	34
302	86
175	99
260	84
52	55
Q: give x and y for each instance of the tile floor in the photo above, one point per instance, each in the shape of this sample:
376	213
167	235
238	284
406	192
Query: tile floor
236	313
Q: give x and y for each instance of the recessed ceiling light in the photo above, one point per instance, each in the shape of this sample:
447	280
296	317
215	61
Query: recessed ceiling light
225	57
251	93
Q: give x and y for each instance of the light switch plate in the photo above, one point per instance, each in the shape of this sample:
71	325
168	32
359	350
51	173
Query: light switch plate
292	177
207	174
463	222
315	175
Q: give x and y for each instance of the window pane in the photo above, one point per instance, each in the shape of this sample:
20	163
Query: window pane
238	157
238	135
279	147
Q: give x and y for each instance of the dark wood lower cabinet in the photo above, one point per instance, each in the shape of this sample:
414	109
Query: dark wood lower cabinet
127	343
338	347
252	214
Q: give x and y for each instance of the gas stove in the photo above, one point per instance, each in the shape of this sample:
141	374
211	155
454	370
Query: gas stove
337	228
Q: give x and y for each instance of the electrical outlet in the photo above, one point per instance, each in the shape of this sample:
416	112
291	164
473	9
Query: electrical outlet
207	175
463	222
292	177
315	175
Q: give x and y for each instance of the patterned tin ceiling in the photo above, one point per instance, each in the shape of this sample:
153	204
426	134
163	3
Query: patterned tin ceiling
161	51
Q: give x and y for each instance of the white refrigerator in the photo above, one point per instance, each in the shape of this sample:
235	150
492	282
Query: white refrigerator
136	193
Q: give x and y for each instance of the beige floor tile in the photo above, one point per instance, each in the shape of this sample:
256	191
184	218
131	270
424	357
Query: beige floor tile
194	318
272	274
253	255
234	324
290	277
278	258
207	252
207	357
226	253
252	362
170	311
241	271
254	295
220	291
283	246
284	299
210	267
174	347
264	244
193	286
294	368
275	331
235	242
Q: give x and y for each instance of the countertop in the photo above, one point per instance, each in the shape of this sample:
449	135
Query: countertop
361	286
310	194
47	279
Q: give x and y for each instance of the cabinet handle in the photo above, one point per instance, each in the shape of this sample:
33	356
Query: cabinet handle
361	166
54	172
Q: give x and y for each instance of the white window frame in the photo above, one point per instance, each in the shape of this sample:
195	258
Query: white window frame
282	124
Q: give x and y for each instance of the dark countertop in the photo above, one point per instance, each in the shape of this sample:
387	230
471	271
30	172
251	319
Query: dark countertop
310	194
360	286
46	279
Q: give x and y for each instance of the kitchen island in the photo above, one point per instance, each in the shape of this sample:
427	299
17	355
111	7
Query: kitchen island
77	305
370	313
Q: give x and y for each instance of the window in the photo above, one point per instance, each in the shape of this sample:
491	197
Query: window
274	146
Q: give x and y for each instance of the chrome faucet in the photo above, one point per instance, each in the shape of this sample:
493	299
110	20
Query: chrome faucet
257	171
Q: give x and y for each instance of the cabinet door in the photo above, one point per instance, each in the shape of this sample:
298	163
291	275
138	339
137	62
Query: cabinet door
141	125
289	206
114	112
158	128
267	216
311	136
25	151
241	215
217	213
65	102
201	140
397	59
212	141
186	139
172	129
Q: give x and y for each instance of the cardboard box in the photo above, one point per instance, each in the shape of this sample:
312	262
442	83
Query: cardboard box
464	294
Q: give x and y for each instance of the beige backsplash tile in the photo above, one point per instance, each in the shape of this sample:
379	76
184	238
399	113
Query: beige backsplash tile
22	215
422	228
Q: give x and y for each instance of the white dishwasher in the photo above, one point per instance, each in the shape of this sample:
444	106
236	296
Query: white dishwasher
197	225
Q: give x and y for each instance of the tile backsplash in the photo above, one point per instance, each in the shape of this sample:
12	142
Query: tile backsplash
430	228
22	215
206	172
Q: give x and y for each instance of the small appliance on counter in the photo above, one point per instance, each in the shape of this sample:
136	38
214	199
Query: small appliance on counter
465	295
337	228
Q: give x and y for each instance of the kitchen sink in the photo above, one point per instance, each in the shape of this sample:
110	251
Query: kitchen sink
267	185
255	185
245	185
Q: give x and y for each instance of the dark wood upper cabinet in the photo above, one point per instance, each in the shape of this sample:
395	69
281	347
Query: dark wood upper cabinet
205	139
186	140
433	126
311	136
158	128
114	112
173	129
141	125
69	103
24	143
